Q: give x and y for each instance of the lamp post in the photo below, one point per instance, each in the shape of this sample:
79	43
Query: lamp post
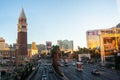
10	54
1	57
116	46
102	51
1	62
17	47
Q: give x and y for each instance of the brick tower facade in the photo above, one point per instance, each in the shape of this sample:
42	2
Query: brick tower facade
22	35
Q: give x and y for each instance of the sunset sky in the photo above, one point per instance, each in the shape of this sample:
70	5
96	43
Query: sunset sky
52	20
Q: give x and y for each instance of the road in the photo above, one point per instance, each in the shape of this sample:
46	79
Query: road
45	68
106	74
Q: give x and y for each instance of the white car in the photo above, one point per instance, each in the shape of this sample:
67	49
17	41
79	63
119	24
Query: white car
61	65
62	60
44	77
73	63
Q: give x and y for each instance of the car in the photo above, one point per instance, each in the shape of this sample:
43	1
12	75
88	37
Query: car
62	60
95	72
44	77
61	64
73	63
66	64
50	71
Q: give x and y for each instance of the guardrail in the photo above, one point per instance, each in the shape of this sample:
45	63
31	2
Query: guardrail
64	77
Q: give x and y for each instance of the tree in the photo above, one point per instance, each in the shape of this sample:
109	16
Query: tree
82	50
55	51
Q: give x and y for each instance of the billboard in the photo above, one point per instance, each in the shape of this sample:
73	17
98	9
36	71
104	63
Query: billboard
48	45
118	40
110	44
93	39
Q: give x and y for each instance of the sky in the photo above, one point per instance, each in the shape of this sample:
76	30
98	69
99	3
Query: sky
52	20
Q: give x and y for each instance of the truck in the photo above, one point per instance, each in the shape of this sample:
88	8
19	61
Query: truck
79	66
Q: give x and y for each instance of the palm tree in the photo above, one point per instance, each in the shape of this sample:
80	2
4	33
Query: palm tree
82	50
55	51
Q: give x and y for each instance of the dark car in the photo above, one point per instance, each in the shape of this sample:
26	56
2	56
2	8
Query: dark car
95	72
50	71
66	64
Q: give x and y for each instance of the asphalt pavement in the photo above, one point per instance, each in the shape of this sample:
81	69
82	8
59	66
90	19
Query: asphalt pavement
45	72
105	74
45	68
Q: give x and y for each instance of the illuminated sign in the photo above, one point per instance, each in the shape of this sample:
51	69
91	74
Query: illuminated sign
48	45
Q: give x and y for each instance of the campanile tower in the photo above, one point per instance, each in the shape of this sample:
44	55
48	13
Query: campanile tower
22	34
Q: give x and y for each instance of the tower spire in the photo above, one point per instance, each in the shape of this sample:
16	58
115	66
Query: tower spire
22	37
22	14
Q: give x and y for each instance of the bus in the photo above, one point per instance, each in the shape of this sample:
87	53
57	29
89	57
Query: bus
79	66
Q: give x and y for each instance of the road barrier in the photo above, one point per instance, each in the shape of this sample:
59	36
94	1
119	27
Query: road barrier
33	73
64	77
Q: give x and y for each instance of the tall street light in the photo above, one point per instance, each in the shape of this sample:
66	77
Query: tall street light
116	41
17	47
1	62
10	54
